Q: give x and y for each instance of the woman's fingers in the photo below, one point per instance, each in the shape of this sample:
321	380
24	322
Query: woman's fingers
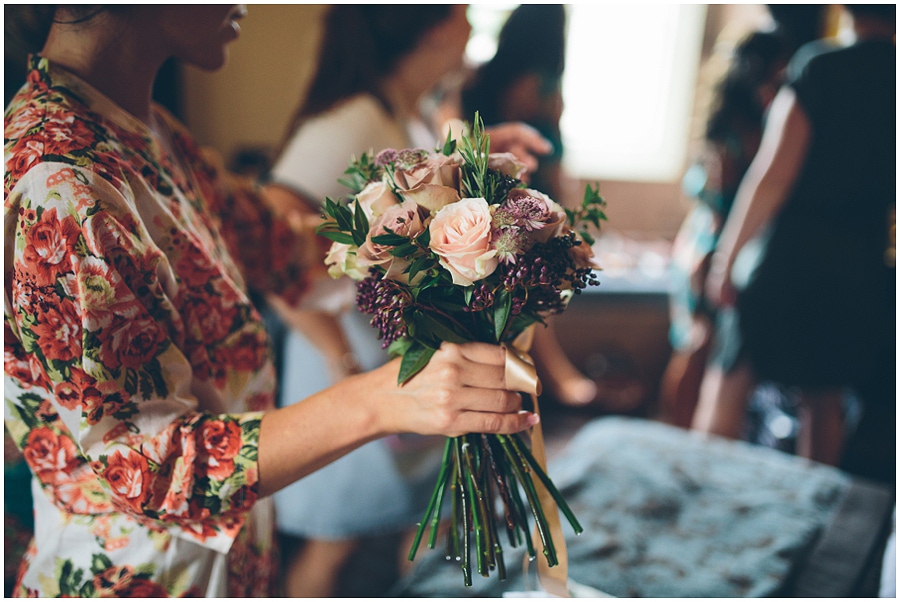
462	390
497	424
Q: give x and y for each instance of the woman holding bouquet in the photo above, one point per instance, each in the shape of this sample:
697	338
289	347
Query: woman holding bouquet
375	64
139	382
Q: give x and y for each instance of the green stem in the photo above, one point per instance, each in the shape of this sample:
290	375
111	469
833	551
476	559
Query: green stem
521	525
524	452
463	494
453	552
435	496
533	502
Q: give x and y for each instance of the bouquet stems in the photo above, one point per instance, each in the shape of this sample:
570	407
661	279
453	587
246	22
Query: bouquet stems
474	466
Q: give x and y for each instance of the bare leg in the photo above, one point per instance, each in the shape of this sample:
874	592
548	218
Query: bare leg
680	386
722	407
313	570
821	435
563	380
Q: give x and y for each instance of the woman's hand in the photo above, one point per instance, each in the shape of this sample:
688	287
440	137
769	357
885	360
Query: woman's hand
719	289
520	139
461	390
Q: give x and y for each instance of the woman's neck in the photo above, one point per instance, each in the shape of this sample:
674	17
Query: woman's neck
401	94
108	55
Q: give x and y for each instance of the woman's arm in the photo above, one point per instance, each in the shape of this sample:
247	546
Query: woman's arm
764	189
461	390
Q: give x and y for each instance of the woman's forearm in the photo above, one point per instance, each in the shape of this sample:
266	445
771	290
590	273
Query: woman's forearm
303	437
461	390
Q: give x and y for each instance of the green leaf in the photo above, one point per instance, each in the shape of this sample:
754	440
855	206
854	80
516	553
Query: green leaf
449	145
468	292
336	236
502	307
440	330
404	250
424	238
390	239
399	347
361	226
415	358
419	264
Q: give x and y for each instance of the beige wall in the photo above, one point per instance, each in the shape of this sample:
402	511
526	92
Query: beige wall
250	100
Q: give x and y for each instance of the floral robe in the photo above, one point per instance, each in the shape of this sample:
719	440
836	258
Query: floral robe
136	367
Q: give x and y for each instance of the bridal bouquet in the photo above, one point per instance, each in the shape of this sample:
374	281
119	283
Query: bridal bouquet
452	246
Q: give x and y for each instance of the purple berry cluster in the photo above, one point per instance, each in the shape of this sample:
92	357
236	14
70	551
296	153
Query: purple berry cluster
386	301
544	272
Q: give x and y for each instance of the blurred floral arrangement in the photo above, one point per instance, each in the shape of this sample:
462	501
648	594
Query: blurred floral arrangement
450	245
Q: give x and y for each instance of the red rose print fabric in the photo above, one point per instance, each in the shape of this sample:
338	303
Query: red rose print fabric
135	364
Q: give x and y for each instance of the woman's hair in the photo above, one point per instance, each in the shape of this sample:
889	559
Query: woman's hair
27	26
757	60
361	45
882	12
533	40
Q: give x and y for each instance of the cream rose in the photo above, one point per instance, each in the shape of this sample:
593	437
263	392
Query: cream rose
341	261
402	219
461	238
375	198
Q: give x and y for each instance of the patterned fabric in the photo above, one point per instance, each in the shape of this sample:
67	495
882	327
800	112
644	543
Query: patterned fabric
136	368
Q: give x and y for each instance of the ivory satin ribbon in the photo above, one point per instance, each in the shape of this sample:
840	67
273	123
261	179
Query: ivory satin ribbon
521	376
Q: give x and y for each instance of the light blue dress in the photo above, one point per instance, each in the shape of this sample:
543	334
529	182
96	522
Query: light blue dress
385	485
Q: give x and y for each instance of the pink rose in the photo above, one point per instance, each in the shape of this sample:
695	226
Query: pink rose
375	198
507	164
547	219
403	219
461	237
432	183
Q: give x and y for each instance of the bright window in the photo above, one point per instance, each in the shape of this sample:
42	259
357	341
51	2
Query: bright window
629	85
628	89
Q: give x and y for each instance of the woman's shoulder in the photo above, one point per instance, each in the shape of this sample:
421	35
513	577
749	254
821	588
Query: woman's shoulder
319	152
358	118
45	125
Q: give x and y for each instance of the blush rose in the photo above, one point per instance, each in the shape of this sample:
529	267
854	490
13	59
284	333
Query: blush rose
403	219
461	238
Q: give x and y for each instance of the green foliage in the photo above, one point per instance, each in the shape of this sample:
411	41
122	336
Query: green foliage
360	172
474	151
589	213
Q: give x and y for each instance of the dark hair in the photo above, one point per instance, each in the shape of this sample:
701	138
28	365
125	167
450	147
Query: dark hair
757	59
883	12
798	23
361	45
533	40
27	26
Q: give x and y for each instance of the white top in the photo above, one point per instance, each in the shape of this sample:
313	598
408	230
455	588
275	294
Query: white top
316	157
